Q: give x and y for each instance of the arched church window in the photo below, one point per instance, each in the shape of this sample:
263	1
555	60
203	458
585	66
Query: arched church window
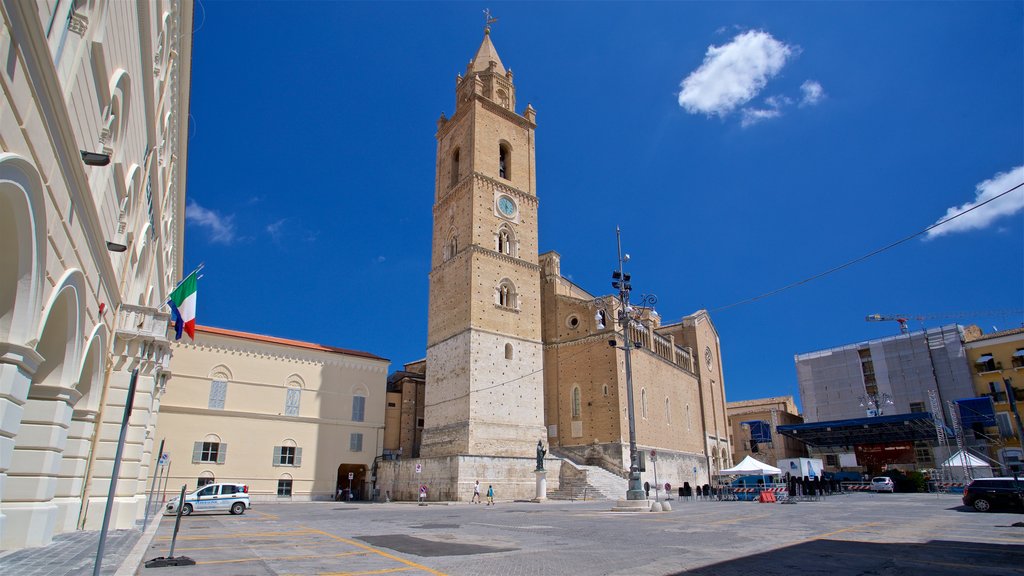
506	241
505	161
576	403
506	294
455	167
451	247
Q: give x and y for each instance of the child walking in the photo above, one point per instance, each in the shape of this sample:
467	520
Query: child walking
490	495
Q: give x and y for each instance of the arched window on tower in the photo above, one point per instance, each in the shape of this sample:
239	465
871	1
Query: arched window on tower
508	351
506	241
505	161
451	247
455	167
576	403
506	294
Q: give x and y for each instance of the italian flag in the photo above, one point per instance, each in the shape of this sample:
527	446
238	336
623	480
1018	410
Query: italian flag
183	307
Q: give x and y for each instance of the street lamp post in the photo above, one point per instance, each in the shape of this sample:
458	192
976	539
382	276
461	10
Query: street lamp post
874	401
627	317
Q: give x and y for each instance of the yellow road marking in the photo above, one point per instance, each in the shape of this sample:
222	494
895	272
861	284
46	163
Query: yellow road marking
385	571
848	529
740	519
258	543
382	553
268	516
262	559
222	536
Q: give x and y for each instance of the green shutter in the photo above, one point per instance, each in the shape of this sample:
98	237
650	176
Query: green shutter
222	453
277	456
197	452
298	457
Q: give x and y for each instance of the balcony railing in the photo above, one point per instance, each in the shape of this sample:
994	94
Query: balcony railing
143	321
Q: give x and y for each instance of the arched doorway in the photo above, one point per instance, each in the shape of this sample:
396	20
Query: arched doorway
358	482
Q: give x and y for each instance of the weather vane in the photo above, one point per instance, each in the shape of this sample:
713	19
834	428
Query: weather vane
488	20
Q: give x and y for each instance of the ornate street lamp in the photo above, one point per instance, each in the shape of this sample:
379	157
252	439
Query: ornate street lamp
628	317
874	401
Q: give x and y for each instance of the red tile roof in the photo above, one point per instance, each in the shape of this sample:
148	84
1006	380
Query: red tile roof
286	342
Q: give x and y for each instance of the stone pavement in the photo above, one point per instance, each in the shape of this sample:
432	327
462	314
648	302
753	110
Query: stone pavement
74	554
850	535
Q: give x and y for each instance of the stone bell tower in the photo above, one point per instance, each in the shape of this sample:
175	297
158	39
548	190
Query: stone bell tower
484	391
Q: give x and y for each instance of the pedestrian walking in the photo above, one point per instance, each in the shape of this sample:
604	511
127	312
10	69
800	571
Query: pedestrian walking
490	495
476	493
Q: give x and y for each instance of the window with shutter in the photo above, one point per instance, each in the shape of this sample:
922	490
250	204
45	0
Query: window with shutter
355	443
1005	426
222	453
298	457
218	394
291	402
358	408
277	455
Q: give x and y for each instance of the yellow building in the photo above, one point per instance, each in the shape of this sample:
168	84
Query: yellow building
94	102
997	361
290	419
776	411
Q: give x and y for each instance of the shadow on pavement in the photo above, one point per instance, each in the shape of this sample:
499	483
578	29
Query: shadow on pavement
846	558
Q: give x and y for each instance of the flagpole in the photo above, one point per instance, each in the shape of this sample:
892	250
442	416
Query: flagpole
163	303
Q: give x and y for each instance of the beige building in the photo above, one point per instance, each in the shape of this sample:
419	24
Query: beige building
513	353
776	411
997	359
89	246
290	419
403	416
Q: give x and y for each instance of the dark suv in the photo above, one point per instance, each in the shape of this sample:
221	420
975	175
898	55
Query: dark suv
985	494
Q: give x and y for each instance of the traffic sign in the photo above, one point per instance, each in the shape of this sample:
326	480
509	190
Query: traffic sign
654	456
351	475
419	468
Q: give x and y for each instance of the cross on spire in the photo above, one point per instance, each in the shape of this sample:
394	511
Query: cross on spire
488	20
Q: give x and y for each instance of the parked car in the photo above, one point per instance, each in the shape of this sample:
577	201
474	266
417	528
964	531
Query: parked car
233	498
882	484
986	494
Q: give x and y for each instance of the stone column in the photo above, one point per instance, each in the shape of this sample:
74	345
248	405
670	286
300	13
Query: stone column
73	468
126	508
17	365
542	485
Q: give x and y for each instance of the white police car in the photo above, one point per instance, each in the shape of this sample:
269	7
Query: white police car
233	498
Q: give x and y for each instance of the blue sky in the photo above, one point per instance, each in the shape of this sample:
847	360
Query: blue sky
741	147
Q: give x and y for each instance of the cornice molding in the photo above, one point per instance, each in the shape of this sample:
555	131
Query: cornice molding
313	358
234	414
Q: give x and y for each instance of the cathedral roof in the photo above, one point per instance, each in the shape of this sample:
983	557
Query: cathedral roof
485	55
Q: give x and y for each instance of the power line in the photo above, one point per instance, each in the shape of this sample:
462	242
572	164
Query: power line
864	257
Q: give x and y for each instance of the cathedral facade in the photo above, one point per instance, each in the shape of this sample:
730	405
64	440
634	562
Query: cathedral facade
514	353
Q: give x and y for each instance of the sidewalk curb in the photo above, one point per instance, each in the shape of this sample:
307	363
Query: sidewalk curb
130	565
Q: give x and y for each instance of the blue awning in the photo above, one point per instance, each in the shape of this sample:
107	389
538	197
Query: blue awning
916	426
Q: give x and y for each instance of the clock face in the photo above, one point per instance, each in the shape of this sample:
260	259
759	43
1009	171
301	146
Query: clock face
708	358
506	205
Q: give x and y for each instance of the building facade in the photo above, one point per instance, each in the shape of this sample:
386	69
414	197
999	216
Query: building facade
93	156
289	419
678	389
997	363
404	414
776	411
894	375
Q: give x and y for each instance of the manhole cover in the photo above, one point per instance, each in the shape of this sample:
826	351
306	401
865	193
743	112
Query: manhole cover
423	547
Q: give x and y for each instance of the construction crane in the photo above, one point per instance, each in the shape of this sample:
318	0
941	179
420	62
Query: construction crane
904	319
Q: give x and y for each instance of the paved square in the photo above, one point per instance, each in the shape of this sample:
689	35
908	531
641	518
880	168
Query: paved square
876	534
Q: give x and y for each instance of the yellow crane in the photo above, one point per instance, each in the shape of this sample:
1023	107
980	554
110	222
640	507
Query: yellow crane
904	319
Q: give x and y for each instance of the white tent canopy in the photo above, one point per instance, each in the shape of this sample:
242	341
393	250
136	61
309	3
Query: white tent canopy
972	461
749	465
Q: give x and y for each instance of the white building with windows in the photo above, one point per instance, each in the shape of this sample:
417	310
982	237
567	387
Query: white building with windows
94	107
290	419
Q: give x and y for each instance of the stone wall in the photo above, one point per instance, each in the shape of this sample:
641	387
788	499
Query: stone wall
451	478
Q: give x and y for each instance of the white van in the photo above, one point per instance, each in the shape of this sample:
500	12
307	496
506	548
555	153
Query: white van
233	498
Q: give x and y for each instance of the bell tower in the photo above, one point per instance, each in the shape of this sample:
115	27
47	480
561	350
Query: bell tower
484	390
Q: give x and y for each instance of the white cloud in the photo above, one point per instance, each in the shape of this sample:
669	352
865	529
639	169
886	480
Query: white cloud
813	93
733	74
982	217
752	116
276	228
222	228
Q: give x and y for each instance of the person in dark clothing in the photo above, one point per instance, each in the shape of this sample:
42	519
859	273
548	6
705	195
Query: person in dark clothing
647	490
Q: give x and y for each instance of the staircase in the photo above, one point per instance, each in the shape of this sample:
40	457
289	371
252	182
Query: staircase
593	482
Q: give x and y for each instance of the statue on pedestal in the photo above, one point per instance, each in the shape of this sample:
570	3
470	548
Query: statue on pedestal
540	455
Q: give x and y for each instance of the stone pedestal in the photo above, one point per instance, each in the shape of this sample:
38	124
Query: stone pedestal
542	485
631	506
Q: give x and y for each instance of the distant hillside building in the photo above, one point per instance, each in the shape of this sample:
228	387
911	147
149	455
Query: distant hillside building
290	419
776	411
997	361
888	376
